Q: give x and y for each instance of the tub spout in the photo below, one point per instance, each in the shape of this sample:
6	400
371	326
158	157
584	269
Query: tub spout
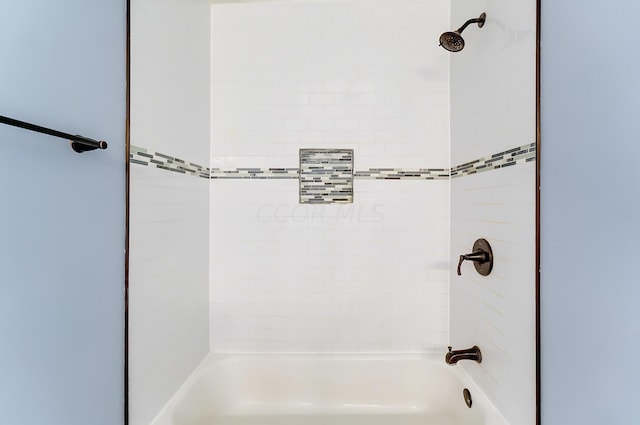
453	356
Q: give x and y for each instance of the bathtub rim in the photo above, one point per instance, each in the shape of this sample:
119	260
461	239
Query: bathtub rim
489	407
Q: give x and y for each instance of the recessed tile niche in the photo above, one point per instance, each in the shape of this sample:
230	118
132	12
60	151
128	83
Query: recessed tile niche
326	176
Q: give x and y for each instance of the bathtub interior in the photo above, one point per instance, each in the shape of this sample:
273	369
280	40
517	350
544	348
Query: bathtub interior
283	389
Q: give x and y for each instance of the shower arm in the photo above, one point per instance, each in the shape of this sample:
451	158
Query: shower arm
479	21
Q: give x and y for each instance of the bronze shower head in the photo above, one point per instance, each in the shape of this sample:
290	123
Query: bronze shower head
453	41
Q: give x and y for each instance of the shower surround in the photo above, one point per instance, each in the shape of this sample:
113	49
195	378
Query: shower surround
224	258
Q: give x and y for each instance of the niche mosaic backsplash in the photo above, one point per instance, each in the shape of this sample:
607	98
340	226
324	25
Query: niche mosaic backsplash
326	176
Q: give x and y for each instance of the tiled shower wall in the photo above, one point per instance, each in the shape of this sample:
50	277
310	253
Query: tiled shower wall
169	212
371	275
493	109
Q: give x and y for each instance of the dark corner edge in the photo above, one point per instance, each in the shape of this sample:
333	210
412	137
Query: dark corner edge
127	209
538	161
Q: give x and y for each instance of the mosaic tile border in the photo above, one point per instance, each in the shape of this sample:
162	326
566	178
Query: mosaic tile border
255	173
519	155
326	176
508	158
142	156
402	174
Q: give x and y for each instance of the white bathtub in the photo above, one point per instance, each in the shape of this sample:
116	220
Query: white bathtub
327	389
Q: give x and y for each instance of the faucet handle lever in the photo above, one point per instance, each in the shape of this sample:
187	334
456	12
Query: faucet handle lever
479	256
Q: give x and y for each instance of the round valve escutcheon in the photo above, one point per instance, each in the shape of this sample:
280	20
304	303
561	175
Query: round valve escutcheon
482	257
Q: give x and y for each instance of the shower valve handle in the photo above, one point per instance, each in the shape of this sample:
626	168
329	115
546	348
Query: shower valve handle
478	256
482	257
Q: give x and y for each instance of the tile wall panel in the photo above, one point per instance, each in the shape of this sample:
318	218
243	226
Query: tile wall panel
351	277
362	79
366	276
493	111
497	312
168	285
493	80
169	237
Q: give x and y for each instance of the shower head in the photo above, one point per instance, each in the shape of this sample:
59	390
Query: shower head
453	41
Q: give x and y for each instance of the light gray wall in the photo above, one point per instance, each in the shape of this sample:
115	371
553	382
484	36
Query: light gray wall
62	214
590	204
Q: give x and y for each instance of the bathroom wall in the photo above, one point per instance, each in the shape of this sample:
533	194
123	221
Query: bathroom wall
493	121
589	219
169	237
367	276
62	213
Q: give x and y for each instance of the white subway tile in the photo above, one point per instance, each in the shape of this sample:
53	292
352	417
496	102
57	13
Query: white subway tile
362	86
336	86
322	99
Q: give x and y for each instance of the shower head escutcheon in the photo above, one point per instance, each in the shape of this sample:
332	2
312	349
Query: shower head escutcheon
453	41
